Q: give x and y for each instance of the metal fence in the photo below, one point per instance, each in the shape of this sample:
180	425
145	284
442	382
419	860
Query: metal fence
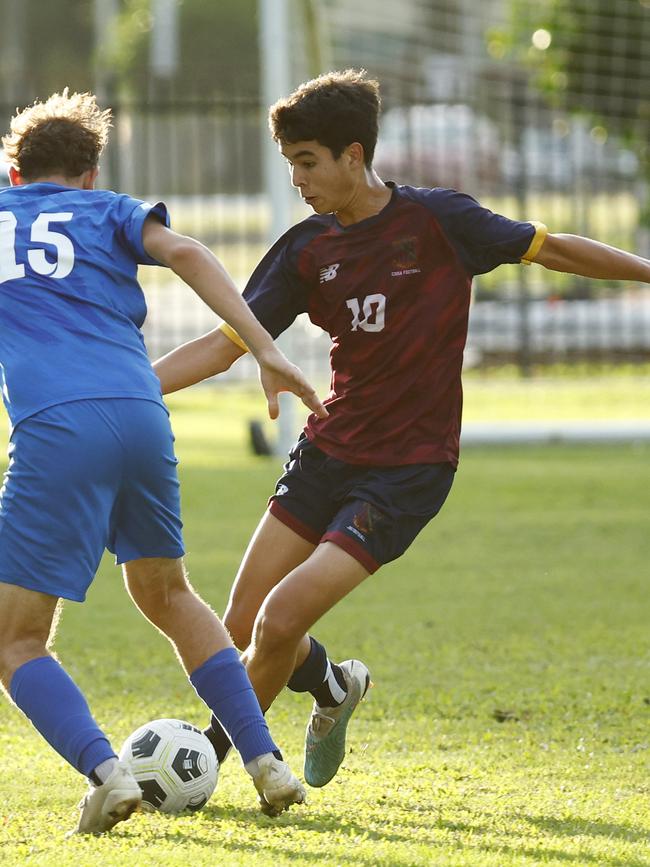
499	143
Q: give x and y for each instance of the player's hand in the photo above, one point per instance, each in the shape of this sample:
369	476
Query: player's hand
278	374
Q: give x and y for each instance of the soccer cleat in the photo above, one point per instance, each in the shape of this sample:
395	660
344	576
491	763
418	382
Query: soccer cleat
325	736
110	803
276	785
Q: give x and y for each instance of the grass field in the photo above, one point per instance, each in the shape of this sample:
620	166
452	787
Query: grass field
510	721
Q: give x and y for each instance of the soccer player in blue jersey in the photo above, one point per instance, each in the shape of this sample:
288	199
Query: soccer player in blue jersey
91	459
386	270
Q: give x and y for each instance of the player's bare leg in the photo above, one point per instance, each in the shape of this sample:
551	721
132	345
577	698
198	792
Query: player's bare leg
26	622
55	706
160	589
274	551
291	609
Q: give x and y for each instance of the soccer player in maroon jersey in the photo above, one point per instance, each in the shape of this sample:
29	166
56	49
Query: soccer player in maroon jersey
386	270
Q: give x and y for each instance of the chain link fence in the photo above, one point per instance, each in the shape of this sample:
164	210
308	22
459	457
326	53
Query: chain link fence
525	161
455	113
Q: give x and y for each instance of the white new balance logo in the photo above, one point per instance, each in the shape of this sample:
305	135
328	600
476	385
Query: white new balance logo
329	272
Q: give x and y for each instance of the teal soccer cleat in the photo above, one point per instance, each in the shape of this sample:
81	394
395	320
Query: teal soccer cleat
325	737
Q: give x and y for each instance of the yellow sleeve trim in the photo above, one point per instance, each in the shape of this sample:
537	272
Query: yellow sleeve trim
536	244
231	334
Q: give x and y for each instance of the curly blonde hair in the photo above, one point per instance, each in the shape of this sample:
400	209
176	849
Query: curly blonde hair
65	135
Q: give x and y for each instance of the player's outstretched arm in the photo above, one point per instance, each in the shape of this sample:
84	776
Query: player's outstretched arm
199	359
574	254
203	272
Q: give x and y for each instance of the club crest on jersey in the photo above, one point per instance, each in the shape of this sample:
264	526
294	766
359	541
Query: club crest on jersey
405	256
329	272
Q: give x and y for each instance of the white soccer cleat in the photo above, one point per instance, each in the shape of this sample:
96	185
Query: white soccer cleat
110	803
277	786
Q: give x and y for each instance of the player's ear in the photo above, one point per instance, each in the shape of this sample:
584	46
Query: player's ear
89	178
355	155
15	178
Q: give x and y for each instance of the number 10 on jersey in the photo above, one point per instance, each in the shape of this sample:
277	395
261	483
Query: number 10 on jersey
374	312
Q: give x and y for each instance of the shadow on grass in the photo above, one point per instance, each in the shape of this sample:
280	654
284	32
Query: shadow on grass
405	832
577	827
620	832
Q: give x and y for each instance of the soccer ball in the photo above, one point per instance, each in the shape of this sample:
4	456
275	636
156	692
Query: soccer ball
174	764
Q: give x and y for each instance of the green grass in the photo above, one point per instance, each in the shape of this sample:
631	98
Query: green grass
559	394
510	722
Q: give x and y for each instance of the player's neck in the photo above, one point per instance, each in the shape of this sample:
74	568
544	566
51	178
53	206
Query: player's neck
84	181
367	199
61	181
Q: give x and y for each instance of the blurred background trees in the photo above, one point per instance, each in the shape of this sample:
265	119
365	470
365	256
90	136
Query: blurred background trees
217	48
538	108
590	57
47	45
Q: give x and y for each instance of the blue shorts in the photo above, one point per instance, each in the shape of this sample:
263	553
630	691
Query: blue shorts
373	513
84	476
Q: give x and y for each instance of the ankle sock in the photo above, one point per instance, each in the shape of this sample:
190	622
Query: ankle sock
253	766
102	772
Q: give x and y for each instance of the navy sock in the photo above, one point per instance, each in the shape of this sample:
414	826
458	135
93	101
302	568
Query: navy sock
48	696
333	690
224	686
318	676
217	736
312	672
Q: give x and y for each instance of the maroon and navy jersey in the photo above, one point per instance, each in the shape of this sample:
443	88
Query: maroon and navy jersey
393	293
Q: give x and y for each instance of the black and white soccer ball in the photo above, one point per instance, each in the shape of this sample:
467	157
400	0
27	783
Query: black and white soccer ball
174	764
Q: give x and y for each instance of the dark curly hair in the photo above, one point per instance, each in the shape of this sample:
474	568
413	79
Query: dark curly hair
335	109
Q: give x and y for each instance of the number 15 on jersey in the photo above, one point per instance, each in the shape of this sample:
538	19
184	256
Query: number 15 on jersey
41	233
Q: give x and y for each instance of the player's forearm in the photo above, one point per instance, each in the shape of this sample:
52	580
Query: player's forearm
199	359
573	254
201	270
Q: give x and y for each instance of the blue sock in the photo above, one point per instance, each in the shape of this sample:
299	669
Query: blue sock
224	686
49	697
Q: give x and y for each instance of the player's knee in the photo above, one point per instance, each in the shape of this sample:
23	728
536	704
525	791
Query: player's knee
156	584
274	630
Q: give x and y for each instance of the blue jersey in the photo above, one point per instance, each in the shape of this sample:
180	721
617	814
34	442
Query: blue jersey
71	308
